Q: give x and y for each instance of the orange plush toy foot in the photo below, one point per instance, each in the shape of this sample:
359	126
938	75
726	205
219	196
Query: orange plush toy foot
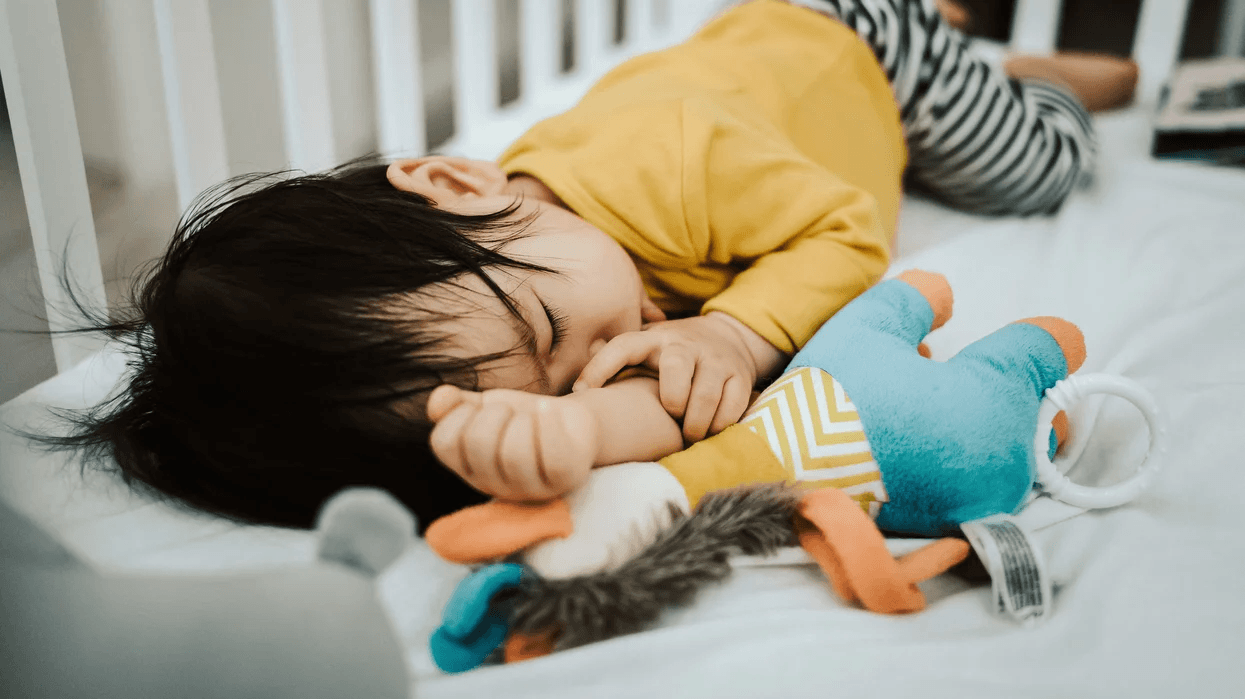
520	646
1060	425
1072	342
935	289
852	552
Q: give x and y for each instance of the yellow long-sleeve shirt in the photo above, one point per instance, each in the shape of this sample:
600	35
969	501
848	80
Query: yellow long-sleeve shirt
754	169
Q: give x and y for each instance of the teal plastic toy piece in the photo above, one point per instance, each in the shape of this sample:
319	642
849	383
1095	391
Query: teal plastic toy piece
471	628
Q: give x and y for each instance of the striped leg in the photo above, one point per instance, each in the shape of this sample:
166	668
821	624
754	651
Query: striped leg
978	140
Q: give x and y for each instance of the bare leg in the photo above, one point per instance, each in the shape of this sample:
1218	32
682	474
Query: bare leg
978	139
954	14
1099	81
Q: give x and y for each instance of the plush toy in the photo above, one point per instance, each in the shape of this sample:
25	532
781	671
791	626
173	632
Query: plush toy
862	424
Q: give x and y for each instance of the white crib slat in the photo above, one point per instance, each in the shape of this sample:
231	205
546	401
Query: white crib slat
686	16
303	68
1156	45
1035	25
639	37
475	66
661	13
49	157
1232	31
399	80
594	34
191	95
539	45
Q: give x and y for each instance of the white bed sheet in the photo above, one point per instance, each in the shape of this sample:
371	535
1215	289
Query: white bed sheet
1150	263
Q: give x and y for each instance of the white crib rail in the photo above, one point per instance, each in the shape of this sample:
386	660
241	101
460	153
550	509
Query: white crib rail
482	126
539	43
49	154
192	95
303	67
474	33
1035	25
1156	43
399	82
593	34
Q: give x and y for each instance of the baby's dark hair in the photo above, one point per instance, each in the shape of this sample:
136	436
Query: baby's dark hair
279	352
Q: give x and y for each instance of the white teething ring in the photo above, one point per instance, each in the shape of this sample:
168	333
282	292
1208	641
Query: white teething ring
1069	392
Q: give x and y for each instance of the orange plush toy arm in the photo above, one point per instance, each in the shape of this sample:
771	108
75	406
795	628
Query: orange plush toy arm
852	552
496	529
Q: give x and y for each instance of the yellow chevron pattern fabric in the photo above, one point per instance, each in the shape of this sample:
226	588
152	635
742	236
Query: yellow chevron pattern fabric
813	428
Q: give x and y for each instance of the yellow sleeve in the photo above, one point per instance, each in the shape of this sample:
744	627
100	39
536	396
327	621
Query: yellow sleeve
735	456
807	241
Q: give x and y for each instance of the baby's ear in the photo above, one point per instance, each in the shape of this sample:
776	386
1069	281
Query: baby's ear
365	529
445	180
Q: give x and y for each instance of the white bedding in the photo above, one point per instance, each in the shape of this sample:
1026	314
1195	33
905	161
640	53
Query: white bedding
1150	263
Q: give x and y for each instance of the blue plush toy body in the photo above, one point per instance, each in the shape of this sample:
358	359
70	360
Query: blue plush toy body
944	442
954	439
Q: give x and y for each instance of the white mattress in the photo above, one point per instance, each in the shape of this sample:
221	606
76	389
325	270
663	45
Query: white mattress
1150	263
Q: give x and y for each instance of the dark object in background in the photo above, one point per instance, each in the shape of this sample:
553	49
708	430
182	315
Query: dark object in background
1102	26
1105	26
1202	113
991	19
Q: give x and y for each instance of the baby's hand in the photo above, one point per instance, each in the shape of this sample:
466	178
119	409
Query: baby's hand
704	366
511	444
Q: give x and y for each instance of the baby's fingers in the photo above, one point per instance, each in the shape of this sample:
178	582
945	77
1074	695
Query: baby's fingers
520	456
445	398
447	443
736	395
547	453
628	349
481	446
674	382
702	403
568	446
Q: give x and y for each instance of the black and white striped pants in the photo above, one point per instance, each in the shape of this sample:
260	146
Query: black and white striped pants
977	139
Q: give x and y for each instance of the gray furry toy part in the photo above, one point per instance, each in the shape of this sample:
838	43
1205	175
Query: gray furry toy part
365	529
692	553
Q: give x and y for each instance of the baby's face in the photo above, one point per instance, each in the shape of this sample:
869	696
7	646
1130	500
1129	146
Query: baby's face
594	295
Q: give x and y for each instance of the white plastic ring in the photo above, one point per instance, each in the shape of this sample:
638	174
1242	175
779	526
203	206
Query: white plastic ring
1071	391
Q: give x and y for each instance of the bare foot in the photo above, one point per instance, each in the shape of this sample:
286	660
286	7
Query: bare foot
955	14
1099	81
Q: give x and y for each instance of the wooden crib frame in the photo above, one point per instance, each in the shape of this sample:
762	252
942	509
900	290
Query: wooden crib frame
37	88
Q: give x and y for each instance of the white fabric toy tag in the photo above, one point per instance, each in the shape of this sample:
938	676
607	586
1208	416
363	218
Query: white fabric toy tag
1017	571
1018	575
